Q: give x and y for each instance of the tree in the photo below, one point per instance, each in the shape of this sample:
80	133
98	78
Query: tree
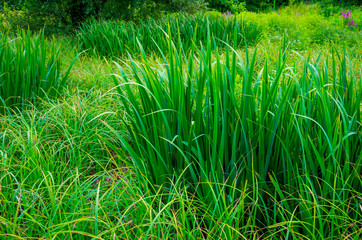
74	12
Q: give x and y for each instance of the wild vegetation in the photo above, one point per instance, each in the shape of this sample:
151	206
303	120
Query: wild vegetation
214	125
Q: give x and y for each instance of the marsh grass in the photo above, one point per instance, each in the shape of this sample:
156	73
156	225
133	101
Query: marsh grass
196	139
283	127
30	68
116	39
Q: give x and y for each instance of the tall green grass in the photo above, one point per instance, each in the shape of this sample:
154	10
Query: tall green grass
293	134
51	160
197	144
115	39
29	68
59	180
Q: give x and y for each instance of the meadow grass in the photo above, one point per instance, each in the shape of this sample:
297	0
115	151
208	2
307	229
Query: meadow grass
202	138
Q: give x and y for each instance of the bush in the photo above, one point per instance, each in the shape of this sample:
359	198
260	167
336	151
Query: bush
29	68
66	11
227	5
257	5
188	6
14	18
156	9
60	15
342	2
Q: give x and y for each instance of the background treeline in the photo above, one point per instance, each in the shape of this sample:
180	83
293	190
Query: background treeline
61	13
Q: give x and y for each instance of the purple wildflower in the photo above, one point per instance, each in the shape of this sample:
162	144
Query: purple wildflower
345	14
297	14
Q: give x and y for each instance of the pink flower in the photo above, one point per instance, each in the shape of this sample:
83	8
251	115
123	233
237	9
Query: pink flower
343	14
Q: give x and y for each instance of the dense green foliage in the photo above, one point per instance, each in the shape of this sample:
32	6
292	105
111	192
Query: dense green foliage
253	5
117	38
178	128
65	16
67	12
342	2
301	25
64	13
30	68
224	122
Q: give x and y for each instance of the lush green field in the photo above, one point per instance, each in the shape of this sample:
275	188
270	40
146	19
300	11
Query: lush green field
211	126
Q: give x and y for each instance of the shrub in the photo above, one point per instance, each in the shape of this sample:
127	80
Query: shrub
257	5
66	11
305	24
13	19
234	6
29	68
341	2
73	13
189	6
